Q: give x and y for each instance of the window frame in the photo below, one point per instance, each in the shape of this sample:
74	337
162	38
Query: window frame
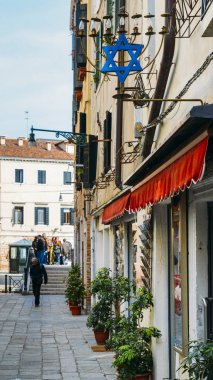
64	177
16	215
70	214
45	221
183	270
19	175
42	179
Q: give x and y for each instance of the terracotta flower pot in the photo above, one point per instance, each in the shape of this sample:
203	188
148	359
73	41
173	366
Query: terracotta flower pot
143	377
70	303
101	336
75	310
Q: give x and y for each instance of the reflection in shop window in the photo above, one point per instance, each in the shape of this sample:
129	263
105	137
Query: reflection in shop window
178	320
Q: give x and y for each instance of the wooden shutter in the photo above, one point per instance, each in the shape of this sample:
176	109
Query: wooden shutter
86	166
80	148
93	150
21	175
107	144
36	215
22	214
62	216
109	7
16	175
72	216
90	161
47	215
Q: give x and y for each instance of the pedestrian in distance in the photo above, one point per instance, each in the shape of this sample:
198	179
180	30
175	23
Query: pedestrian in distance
34	245
41	249
66	249
37	273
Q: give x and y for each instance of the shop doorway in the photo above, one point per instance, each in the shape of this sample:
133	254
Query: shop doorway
178	282
209	299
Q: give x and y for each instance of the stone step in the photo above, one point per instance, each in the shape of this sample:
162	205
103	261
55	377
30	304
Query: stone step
55	278
52	292
52	286
58	268
55	281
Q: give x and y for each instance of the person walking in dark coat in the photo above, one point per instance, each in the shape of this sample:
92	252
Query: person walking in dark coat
37	273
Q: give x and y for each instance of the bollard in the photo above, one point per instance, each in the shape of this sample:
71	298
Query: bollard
5	283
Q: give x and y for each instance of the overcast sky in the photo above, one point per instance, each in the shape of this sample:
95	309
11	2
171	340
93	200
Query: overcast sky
35	66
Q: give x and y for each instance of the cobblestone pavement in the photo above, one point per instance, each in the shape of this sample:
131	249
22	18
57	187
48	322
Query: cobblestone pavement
47	343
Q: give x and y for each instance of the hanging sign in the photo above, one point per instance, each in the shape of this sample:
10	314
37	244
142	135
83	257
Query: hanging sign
111	51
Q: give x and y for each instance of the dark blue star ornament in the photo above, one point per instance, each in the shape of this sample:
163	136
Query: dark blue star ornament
122	45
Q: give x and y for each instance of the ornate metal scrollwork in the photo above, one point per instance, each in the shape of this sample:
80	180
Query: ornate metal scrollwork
75	138
188	15
129	151
104	179
72	137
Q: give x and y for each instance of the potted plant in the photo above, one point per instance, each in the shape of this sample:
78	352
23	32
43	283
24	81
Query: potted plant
100	319
110	293
199	361
132	343
74	291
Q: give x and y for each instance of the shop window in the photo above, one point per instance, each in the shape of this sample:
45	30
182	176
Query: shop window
18	215
179	274
146	238
19	175
41	215
41	176
119	249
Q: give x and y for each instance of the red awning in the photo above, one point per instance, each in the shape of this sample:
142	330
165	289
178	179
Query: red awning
186	170
116	209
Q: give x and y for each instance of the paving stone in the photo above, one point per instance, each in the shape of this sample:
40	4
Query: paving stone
47	343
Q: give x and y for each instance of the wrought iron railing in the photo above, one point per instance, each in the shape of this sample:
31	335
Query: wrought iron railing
13	282
188	15
205	5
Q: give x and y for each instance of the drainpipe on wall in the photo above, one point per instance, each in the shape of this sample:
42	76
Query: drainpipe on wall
166	63
119	130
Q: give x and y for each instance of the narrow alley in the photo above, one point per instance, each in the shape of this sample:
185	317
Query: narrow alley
47	343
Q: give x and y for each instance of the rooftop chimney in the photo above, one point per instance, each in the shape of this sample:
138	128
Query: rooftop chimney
48	145
2	140
20	141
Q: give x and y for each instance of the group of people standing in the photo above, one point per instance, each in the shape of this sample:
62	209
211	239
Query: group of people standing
51	251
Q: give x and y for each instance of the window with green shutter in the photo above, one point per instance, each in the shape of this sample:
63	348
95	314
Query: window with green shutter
67	178
107	144
67	216
41	215
19	175
18	215
42	176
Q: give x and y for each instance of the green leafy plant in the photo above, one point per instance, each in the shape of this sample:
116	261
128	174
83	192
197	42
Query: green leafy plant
75	290
110	293
100	317
199	361
132	343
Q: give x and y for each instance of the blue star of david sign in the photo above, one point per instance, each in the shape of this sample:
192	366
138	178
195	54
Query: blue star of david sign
122	45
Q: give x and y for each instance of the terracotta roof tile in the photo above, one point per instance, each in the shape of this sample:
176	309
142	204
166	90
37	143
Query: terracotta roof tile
12	149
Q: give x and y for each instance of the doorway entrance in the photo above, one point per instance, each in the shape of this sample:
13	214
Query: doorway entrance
209	299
